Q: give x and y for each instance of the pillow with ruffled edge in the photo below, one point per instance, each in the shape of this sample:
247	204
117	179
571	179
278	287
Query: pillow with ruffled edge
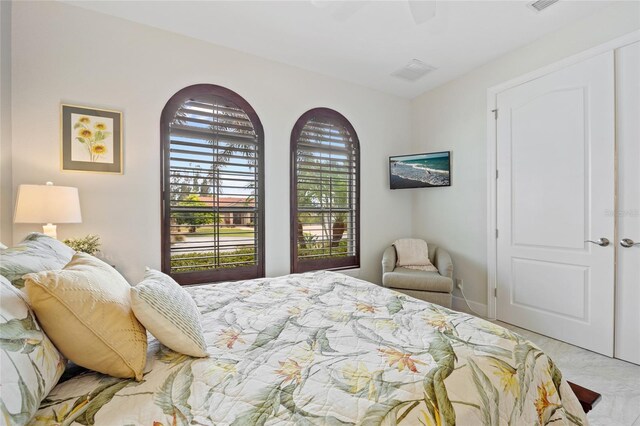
30	364
169	313
36	253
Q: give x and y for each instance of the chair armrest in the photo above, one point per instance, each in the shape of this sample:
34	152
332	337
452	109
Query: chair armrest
389	260
443	262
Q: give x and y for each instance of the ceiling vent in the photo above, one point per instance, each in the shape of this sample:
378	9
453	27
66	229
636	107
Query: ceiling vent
414	70
541	5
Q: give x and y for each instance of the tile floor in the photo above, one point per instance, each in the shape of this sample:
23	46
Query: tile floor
617	381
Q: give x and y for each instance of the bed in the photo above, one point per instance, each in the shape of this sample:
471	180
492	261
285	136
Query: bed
325	348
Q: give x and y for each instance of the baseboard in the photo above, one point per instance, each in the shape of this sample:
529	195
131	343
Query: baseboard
354	272
459	305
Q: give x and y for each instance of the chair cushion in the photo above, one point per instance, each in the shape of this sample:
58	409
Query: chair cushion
409	279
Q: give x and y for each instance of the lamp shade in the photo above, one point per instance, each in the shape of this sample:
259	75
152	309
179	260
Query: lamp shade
47	204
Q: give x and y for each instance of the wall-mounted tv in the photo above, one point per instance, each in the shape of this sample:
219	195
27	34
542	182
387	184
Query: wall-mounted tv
420	170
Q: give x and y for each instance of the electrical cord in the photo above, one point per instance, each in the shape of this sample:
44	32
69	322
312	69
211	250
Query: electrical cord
469	306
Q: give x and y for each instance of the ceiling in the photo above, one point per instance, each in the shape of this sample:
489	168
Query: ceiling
364	47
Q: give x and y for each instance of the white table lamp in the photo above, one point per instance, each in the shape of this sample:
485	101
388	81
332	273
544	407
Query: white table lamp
47	204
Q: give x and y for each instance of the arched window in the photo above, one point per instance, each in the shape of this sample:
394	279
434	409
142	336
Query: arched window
212	186
325	192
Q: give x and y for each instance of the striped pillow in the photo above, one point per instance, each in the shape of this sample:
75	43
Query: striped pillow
169	313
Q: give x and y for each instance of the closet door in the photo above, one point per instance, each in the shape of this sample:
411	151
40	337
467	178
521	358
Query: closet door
627	344
555	191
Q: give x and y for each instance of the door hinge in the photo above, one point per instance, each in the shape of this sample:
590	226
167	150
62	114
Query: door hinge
496	233
496	174
495	113
495	292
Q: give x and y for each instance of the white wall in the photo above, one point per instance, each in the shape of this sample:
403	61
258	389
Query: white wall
68	54
5	123
453	117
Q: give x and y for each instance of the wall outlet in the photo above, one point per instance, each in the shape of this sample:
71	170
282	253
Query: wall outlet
459	283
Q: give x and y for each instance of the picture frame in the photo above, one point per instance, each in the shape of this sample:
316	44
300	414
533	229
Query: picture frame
425	170
91	139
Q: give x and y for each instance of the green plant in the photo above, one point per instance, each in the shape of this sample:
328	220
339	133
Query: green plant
323	249
321	188
225	231
193	219
202	261
309	240
89	244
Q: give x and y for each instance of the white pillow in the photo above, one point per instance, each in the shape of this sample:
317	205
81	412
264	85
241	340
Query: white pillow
413	254
2	246
30	366
412	251
169	313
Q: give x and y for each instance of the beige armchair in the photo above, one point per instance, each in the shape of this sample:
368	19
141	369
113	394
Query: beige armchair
434	287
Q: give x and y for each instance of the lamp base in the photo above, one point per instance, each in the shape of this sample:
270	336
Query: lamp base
50	230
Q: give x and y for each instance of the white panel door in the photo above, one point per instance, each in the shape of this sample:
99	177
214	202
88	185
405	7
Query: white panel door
627	340
555	191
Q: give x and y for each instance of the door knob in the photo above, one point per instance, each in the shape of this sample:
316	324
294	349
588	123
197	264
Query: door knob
628	242
602	242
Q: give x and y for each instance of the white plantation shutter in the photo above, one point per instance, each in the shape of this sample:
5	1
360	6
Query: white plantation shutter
325	198
213	187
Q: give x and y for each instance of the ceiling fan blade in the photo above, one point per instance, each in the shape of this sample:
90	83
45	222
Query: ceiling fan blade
422	11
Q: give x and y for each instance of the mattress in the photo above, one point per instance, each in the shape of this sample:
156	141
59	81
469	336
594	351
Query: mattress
325	348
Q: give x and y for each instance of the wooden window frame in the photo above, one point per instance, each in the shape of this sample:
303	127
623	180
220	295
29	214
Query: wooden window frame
168	114
350	262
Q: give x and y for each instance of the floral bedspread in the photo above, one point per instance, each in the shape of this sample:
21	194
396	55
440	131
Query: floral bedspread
324	348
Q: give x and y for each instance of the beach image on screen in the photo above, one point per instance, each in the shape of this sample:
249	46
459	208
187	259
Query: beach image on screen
420	170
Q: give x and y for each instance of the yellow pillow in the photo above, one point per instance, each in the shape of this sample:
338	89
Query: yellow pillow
86	311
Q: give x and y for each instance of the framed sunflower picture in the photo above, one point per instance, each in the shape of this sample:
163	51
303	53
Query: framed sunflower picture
91	139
